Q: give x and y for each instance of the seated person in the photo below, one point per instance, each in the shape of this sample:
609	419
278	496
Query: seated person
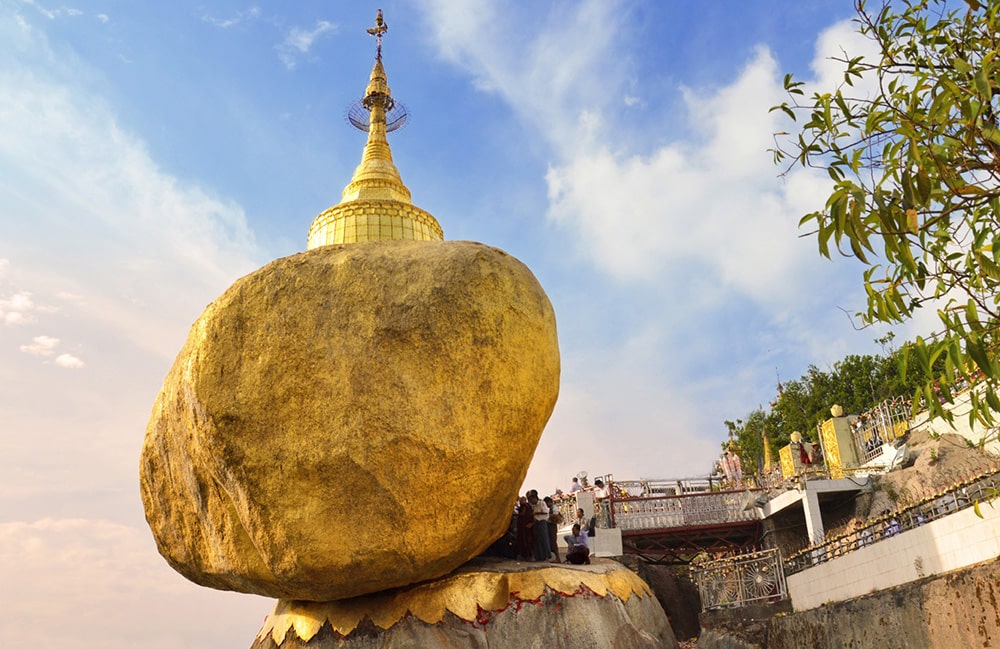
578	551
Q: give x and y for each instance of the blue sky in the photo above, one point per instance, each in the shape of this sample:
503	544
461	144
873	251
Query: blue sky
151	153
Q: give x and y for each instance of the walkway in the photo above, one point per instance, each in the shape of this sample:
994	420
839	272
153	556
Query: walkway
672	521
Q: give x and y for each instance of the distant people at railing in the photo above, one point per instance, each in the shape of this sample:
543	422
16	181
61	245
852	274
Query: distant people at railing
891	526
862	535
575	486
806	453
874	442
732	468
602	506
579	548
555	520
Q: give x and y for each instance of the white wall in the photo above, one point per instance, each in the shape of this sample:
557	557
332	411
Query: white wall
955	541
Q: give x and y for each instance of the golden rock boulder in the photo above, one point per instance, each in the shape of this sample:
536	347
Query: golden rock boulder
351	419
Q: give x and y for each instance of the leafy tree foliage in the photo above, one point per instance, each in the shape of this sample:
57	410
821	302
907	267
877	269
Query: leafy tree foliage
911	141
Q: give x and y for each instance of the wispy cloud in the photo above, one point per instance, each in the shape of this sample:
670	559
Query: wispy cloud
253	13
46	346
299	41
155	235
52	14
41	346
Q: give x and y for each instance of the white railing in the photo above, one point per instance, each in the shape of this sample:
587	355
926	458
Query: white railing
878	426
687	510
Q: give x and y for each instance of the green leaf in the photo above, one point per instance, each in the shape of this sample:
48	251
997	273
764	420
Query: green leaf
982	82
978	353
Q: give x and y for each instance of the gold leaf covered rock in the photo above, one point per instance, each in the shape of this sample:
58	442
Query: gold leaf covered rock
351	419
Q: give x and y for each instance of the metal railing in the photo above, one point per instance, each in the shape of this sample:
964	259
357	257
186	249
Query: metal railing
686	510
662	487
961	496
879	426
741	580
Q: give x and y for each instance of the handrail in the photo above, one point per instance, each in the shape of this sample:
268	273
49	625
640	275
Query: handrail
961	496
684	510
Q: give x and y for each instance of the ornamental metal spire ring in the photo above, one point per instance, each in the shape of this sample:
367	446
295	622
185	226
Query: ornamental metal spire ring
359	114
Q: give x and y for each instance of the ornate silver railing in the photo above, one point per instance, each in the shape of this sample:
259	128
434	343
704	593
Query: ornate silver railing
686	510
878	426
741	580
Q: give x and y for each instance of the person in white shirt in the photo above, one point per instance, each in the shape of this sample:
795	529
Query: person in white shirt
576	486
540	526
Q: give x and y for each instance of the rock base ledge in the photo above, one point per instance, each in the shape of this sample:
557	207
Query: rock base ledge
486	604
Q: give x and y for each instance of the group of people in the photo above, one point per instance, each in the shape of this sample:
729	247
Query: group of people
537	525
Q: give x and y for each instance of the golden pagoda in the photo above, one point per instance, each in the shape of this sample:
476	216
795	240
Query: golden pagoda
375	205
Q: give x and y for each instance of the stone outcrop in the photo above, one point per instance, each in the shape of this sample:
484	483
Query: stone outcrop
351	419
958	609
485	605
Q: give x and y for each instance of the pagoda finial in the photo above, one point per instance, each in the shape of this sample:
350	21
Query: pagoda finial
377	31
375	205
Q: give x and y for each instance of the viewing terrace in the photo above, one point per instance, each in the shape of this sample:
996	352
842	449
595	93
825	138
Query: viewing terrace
672	521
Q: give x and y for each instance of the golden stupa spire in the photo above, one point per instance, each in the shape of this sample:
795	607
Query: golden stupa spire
375	205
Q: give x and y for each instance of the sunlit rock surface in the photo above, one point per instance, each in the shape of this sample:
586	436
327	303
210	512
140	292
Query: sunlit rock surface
351	419
488	605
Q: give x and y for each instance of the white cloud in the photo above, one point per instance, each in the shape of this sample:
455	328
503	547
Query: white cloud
46	346
16	309
104	18
709	203
299	41
68	361
41	346
551	70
